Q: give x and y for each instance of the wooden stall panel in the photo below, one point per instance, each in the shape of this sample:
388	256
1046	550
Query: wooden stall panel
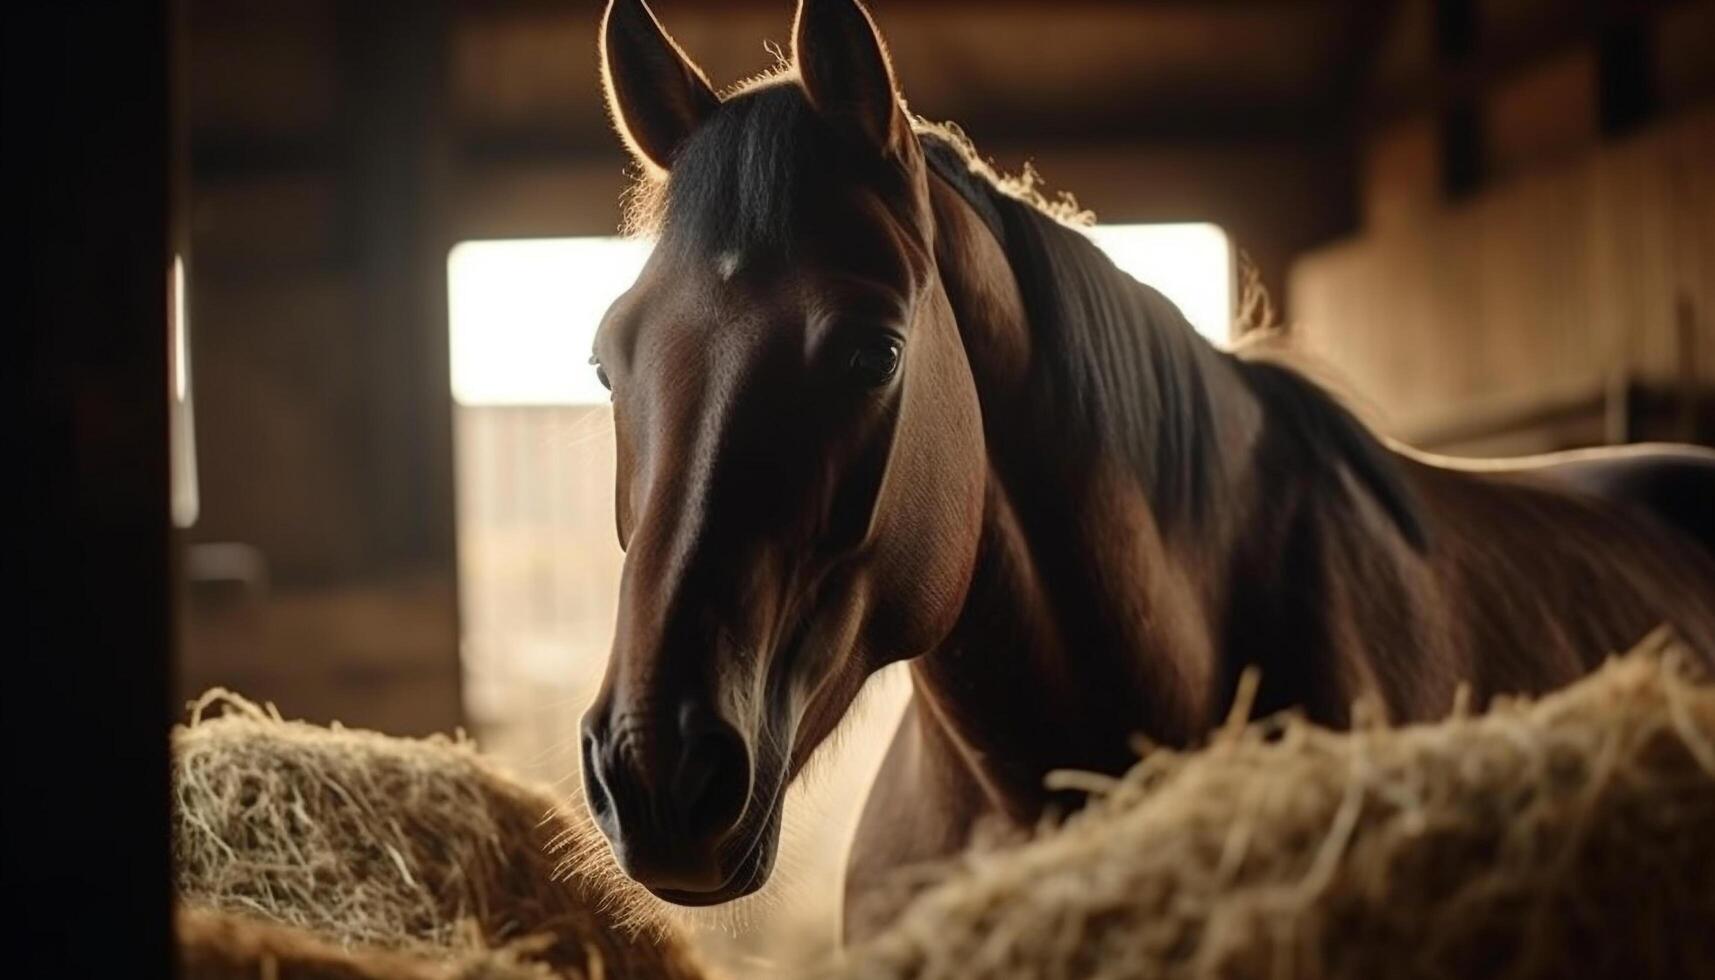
1540	293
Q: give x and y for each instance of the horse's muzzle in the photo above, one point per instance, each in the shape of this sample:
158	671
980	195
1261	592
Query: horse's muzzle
668	793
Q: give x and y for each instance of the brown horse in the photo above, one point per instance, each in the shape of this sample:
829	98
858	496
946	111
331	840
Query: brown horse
872	405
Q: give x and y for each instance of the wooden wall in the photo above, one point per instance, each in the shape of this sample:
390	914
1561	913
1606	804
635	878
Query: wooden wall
1536	266
1536	297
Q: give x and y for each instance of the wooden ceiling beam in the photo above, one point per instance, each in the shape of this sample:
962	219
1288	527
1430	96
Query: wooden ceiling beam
1489	65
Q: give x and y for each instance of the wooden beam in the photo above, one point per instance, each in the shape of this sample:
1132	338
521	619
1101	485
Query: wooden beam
225	155
1625	76
394	56
1201	125
1488	66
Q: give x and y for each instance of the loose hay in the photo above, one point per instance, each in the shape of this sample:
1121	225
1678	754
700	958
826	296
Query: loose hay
369	843
221	946
1573	837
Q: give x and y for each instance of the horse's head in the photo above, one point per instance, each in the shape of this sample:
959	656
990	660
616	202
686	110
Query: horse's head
801	463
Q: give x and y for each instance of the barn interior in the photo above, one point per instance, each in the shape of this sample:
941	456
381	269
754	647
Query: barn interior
1489	224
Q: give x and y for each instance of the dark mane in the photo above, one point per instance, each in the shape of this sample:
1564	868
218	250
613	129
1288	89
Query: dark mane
1324	433
735	182
1120	360
743	180
1133	374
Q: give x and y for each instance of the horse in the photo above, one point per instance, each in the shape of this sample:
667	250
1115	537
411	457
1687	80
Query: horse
873	404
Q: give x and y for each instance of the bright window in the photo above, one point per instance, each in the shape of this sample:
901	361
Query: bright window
1192	264
523	314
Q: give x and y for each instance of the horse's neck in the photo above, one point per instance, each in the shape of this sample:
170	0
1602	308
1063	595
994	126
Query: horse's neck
1089	618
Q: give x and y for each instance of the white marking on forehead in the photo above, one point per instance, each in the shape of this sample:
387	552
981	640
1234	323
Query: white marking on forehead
727	264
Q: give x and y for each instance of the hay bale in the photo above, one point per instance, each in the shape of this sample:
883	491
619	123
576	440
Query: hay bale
1570	837
329	852
224	946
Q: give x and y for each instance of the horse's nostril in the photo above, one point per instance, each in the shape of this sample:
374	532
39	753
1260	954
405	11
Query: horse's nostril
697	771
712	781
667	796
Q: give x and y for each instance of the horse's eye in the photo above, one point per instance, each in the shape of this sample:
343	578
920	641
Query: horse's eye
601	374
875	362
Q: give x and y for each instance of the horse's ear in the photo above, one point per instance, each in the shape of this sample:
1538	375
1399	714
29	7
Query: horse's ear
843	65
656	94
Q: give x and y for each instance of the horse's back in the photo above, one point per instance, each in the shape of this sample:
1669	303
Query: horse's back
1579	553
1673	484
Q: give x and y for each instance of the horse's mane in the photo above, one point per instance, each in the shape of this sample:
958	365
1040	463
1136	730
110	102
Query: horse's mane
1133	387
1131	369
946	142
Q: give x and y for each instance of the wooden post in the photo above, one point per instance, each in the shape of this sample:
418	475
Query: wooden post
394	65
1461	118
